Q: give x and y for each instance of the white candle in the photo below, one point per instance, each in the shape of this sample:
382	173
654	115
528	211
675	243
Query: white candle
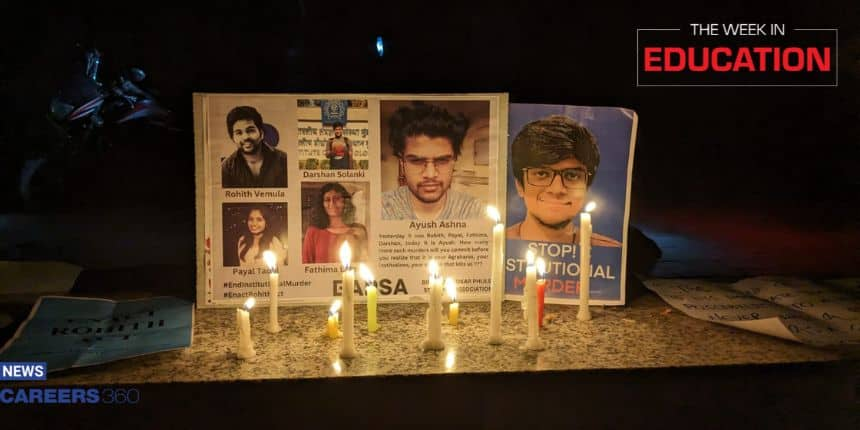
497	280
434	312
533	341
372	295
454	307
271	260
347	349
243	323
584	313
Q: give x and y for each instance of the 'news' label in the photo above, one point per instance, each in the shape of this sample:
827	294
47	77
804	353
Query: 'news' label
24	371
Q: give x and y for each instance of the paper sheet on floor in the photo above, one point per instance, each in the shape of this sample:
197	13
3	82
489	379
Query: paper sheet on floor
719	303
69	332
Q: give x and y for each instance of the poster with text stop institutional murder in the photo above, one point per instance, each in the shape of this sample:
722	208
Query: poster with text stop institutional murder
561	159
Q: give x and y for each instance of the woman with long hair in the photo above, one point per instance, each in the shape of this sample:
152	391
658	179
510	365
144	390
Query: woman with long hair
258	237
332	223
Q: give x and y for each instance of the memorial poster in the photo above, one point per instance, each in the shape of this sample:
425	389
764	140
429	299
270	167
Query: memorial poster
560	159
400	178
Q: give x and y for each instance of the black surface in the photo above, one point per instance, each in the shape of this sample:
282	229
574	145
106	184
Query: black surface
786	157
819	396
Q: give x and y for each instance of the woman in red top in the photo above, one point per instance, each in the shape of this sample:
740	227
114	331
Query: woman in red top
332	223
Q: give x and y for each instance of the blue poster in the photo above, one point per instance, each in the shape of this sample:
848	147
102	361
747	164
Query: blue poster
559	159
69	332
334	111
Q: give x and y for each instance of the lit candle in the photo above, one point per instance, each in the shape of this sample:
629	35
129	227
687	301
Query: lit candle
372	294
271	260
540	264
347	348
584	313
243	322
524	302
434	312
454	307
533	341
497	273
331	327
450	359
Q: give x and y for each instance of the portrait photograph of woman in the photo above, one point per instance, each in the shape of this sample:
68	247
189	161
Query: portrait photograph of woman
251	229
333	213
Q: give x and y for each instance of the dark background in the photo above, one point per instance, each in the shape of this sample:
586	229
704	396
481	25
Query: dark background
727	181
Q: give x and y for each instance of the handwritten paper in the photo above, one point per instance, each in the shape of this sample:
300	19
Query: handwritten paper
720	303
73	332
837	307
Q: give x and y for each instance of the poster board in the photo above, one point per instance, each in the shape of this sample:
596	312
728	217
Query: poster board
597	141
276	198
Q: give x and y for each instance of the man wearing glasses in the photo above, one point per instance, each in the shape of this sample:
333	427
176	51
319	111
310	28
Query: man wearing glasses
554	163
427	140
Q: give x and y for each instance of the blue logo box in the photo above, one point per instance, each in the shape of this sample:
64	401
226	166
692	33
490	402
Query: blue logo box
23	371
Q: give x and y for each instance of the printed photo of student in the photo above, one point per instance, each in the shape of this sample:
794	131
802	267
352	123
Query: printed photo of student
330	218
251	229
554	162
427	140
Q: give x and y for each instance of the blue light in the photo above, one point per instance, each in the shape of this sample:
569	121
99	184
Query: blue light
380	49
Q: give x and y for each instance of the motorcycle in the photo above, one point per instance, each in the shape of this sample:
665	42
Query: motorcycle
79	114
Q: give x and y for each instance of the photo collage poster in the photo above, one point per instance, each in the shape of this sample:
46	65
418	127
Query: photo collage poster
401	178
560	159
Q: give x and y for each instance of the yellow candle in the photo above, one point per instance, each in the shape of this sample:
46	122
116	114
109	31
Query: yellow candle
347	349
454	307
331	327
271	260
243	322
372	295
584	313
497	280
372	324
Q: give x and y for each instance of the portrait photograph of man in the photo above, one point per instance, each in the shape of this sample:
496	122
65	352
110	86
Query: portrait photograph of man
432	166
256	162
333	134
560	160
554	162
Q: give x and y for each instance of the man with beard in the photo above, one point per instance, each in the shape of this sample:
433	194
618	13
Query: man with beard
255	164
427	140
554	162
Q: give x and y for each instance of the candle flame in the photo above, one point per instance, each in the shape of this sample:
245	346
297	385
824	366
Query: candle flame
335	306
590	206
530	257
345	255
271	260
337	367
250	303
433	267
450	358
451	288
493	213
541	266
365	273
